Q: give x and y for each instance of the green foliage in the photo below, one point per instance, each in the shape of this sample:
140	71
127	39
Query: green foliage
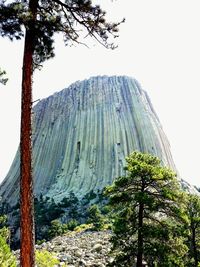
148	211
46	210
65	203
193	226
5	208
83	227
71	18
74	204
55	229
95	217
45	258
3	220
4	231
88	197
70	201
41	19
7	259
71	205
70	212
72	224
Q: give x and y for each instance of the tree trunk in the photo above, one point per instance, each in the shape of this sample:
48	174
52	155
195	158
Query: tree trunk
27	242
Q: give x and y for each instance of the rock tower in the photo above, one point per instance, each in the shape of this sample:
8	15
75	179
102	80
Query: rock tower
82	134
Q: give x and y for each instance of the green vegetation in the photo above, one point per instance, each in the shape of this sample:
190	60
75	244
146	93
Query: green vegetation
83	227
7	259
55	229
72	224
44	258
46	211
149	214
38	21
151	218
95	217
51	218
193	241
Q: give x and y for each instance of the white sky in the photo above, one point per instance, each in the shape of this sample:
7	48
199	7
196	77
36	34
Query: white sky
159	45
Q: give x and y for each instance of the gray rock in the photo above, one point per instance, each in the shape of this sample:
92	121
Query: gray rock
99	264
74	248
83	262
92	122
97	247
78	250
110	260
78	253
67	258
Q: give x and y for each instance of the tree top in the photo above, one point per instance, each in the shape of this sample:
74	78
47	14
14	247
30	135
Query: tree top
75	19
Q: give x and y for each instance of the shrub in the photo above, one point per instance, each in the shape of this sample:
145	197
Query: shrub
55	229
72	224
83	227
7	259
44	258
95	217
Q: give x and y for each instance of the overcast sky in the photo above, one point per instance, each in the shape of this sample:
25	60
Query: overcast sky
159	45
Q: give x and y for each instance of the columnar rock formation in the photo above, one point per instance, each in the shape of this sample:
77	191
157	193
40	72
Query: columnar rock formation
82	134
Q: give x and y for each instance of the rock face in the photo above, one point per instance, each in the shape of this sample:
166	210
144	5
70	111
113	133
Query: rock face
82	134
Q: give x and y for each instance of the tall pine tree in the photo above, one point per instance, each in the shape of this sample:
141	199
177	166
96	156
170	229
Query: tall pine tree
42	19
148	214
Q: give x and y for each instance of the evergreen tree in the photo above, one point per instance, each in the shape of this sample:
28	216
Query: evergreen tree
148	214
193	212
95	217
41	19
56	229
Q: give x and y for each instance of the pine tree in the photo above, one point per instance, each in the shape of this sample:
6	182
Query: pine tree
193	213
95	217
148	214
42	19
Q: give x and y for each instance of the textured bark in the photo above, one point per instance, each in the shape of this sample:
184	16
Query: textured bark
27	242
82	134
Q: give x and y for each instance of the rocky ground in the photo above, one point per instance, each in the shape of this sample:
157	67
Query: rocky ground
88	248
